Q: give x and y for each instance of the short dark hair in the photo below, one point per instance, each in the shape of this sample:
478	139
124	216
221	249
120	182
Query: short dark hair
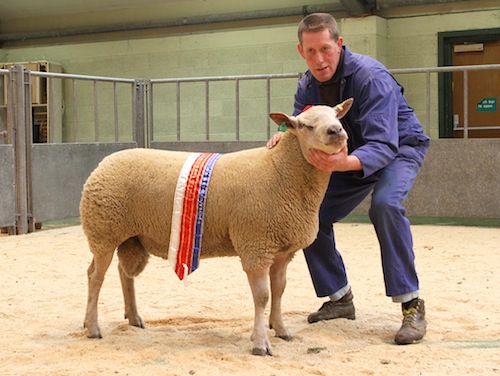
319	22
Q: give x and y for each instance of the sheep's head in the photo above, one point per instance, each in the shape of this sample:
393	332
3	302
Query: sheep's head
318	127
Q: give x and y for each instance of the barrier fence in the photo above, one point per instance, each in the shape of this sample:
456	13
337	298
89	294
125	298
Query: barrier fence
89	117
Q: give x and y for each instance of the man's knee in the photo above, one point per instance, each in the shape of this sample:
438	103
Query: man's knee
383	207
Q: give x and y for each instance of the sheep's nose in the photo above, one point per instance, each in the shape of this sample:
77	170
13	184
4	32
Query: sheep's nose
333	131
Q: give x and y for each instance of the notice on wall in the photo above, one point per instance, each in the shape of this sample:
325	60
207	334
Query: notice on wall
487	105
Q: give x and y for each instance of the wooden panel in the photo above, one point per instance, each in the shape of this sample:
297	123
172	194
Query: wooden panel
481	85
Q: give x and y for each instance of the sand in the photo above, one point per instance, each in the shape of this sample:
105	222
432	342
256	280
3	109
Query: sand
204	328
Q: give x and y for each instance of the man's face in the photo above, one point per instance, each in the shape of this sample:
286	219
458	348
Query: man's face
321	53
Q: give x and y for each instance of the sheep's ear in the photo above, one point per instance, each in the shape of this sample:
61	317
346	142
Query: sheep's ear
343	107
280	117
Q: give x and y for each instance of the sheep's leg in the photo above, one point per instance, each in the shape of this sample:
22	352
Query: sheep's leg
259	284
128	288
278	283
133	259
96	272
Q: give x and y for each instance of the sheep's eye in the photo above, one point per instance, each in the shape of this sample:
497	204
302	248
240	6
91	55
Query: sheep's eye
302	125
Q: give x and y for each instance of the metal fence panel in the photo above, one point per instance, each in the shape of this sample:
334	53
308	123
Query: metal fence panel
59	172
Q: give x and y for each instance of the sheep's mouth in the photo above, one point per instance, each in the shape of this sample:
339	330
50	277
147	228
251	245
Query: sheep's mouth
337	145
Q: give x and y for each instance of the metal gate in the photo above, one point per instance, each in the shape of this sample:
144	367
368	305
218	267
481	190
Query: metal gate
43	181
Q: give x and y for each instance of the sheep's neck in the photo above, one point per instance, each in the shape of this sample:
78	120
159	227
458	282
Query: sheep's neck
295	169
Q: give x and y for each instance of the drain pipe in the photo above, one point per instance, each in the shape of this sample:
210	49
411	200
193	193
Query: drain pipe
188	21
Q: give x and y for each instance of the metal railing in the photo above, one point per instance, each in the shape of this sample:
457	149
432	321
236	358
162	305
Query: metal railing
207	81
29	160
429	90
463	68
136	105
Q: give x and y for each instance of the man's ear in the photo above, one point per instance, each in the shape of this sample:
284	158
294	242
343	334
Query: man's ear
343	107
301	50
280	117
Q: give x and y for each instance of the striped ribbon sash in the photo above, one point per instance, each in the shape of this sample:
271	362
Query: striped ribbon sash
188	213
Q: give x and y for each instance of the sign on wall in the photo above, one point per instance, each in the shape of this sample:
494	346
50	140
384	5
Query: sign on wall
487	105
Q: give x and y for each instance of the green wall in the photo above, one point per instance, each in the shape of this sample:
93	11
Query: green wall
404	42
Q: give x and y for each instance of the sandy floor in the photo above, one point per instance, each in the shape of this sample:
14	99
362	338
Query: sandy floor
204	328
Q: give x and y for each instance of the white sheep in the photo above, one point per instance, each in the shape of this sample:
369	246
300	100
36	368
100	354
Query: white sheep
262	205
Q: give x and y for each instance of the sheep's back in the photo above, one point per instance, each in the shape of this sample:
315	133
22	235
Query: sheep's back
130	193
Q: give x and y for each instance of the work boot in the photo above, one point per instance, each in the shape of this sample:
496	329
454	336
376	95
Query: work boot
343	308
414	324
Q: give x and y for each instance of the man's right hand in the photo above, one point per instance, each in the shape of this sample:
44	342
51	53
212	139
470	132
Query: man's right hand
273	141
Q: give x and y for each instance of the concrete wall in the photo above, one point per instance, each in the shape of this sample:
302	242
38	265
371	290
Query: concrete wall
64	168
400	42
7	185
459	178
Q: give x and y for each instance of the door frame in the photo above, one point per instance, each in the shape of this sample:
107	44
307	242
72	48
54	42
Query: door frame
446	40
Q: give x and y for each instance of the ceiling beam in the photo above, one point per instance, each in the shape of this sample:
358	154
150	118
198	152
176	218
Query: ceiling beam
357	7
183	21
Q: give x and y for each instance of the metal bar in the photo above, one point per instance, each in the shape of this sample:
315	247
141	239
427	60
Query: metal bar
150	110
294	75
96	113
207	111
115	111
84	77
268	108
138	113
466	105
446	69
178	96
145	97
237	105
428	102
28	109
75	113
225	78
20	150
50	110
479	128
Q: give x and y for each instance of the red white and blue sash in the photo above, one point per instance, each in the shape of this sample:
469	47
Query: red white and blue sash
188	213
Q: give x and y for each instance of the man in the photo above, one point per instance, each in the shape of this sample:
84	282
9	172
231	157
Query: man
385	151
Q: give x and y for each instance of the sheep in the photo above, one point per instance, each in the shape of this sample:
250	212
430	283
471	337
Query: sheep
262	205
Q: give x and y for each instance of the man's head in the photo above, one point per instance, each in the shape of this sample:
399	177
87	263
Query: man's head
320	44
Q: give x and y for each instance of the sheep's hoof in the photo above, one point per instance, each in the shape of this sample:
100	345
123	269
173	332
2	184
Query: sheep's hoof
261	352
94	335
135	321
286	337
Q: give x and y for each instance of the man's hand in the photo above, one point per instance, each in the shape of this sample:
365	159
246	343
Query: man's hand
273	141
339	162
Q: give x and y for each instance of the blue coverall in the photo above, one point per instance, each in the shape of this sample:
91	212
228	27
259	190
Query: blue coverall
387	137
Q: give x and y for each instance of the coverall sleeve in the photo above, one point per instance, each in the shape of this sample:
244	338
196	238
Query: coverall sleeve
378	122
